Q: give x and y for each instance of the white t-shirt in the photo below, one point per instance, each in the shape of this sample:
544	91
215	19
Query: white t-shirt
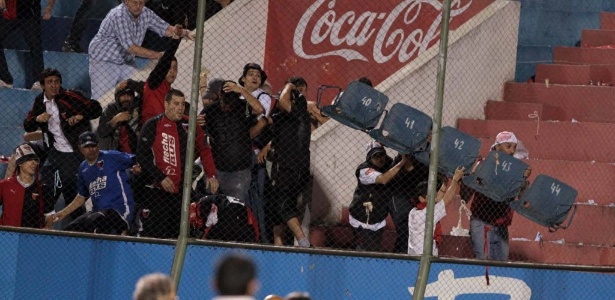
416	228
264	99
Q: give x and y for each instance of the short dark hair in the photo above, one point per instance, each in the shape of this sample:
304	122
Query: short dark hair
420	189
48	72
297	81
365	80
234	274
171	93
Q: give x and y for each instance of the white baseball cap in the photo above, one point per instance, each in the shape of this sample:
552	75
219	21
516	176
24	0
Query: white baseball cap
505	137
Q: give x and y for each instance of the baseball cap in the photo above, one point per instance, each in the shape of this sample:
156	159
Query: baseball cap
23	153
124	91
88	138
374	148
254	66
214	87
504	137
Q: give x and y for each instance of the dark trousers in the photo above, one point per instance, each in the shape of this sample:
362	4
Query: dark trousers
59	176
31	31
368	240
80	21
399	209
161	213
106	221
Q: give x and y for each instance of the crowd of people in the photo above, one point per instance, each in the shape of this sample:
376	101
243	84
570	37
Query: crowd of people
250	146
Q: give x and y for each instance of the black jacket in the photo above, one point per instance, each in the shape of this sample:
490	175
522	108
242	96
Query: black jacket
377	194
70	103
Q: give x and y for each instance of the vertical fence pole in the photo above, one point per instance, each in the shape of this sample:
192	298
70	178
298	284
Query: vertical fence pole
421	279
182	240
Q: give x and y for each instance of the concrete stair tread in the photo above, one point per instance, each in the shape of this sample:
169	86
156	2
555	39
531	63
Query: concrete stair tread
549	140
577	55
597	37
581	74
508	110
530	251
607	20
566	102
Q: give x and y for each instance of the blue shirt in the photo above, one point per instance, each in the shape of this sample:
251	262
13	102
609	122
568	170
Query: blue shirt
106	181
119	30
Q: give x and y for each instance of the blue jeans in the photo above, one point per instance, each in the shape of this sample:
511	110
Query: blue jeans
497	240
235	184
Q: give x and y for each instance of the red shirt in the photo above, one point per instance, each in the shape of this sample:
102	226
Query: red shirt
153	100
13	197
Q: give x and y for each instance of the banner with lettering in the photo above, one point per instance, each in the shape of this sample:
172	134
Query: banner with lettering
336	41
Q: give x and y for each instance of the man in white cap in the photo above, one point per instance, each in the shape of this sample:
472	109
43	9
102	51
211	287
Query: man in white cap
490	219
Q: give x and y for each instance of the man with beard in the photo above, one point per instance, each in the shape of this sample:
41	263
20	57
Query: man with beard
119	123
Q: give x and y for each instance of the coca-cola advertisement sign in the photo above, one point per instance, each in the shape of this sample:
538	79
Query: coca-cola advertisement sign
333	42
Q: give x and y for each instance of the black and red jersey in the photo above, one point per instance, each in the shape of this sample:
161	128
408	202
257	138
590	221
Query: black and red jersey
161	151
21	206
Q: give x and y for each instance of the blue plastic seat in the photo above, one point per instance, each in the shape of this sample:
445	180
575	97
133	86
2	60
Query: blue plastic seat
547	202
499	177
359	107
404	129
457	149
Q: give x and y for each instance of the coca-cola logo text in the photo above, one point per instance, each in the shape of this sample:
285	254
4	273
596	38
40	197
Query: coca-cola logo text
349	34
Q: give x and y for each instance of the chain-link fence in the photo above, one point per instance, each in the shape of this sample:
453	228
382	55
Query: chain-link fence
314	126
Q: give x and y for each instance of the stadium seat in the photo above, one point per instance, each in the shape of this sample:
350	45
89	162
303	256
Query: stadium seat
547	202
359	107
404	129
457	149
499	176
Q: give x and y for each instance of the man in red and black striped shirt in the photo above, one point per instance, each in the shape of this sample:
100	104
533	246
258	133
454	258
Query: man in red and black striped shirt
161	154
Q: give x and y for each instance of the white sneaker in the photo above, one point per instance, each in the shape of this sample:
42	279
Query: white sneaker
4	85
36	86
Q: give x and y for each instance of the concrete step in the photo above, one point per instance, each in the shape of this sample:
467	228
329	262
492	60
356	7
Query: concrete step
597	37
530	251
575	74
590	225
507	110
568	141
576	56
607	20
566	102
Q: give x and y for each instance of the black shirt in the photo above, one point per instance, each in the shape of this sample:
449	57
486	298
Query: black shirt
291	135
229	133
31	213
